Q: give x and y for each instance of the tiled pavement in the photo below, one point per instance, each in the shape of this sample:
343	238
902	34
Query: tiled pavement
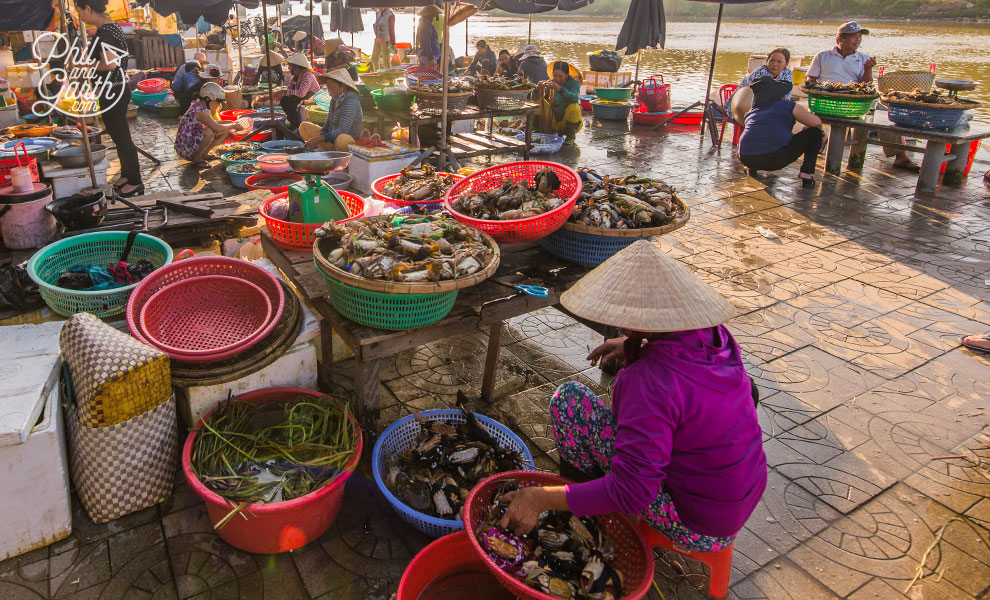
850	322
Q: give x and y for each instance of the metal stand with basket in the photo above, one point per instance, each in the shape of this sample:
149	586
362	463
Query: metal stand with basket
502	99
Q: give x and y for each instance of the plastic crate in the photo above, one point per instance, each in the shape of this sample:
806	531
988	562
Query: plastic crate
102	248
851	108
924	118
382	310
400	436
583	248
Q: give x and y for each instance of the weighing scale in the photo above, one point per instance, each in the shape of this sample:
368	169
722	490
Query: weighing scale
954	86
312	200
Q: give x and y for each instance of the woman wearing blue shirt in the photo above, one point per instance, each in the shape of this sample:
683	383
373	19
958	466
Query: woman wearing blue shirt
767	143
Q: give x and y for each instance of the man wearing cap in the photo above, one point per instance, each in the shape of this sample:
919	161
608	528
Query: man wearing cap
345	119
302	86
681	445
210	74
531	64
384	30
846	64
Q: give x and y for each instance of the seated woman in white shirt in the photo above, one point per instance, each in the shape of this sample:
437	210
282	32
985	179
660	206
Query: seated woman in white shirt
845	64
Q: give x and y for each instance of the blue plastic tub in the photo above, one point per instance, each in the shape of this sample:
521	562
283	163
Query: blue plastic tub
582	248
147	101
611	112
239	180
282	145
401	435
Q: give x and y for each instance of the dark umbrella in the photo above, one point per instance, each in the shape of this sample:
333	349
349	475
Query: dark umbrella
302	23
645	27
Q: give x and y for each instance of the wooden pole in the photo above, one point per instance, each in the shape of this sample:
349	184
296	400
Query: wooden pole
311	31
467	45
240	42
278	13
445	68
271	94
639	55
711	71
529	36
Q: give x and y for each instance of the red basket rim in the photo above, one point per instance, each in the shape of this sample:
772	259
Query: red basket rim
270	507
518	587
154	81
282	188
263	210
158	273
379	184
464	183
186	353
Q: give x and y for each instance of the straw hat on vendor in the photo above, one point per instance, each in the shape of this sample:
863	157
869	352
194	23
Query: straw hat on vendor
302	86
345	119
272	59
340	76
680	445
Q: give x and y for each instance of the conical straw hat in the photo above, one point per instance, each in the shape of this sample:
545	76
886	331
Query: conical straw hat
643	289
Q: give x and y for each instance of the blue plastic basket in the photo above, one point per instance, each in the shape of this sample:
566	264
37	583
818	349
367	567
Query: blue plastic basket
401	435
583	248
924	118
543	143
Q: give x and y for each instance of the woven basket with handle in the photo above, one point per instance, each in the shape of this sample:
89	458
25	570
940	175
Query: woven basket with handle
906	81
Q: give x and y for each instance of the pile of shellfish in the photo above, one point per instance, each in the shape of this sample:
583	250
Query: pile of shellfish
413	249
418	185
863	89
514	199
435	476
565	556
629	202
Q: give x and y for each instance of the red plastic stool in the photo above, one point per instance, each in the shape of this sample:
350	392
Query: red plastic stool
719	562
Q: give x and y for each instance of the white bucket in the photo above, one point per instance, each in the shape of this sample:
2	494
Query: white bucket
28	224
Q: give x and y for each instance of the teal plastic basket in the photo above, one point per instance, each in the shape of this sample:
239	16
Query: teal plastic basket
382	310
102	248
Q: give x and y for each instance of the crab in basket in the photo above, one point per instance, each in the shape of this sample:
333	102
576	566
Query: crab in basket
565	556
417	185
513	199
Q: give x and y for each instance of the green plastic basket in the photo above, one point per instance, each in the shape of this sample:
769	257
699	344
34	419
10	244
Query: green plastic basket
102	248
392	102
382	310
852	108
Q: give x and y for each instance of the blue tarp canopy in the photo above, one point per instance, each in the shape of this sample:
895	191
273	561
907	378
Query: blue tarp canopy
25	15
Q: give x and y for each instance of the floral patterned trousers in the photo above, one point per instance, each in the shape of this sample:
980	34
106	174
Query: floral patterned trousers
584	429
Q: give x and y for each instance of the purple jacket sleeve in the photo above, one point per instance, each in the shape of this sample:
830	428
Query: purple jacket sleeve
643	443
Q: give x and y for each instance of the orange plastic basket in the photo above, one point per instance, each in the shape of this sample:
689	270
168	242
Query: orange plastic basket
518	230
379	185
632	555
7	164
299	236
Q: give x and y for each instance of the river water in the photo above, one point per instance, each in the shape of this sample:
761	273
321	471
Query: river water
959	50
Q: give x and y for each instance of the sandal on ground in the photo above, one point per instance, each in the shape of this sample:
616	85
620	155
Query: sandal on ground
138	191
908	166
807	182
985	336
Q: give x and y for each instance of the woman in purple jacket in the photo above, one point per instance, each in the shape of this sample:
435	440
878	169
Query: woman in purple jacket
681	445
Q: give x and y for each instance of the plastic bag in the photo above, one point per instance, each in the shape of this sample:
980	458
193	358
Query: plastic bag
17	290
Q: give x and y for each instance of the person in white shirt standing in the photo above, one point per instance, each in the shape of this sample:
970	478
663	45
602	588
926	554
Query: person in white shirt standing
844	63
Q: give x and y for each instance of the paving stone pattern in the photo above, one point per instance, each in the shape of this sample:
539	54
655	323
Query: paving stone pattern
850	321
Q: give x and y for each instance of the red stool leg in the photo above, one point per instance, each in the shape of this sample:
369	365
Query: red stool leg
736	134
721	567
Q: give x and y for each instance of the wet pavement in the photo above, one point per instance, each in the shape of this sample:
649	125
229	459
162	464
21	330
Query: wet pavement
850	321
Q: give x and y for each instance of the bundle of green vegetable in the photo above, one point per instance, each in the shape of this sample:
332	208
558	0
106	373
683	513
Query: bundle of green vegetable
273	452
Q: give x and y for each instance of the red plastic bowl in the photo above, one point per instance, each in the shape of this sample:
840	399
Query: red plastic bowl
259	181
234	113
380	183
518	230
152	86
277	526
448	556
198	267
299	236
205	316
632	554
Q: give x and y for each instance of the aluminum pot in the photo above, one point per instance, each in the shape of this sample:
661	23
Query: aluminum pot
74	157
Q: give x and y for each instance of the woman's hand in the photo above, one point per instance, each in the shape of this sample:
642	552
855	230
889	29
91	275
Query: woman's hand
556	86
610	350
313	143
526	505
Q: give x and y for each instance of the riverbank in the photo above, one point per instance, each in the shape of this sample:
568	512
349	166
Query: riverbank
930	10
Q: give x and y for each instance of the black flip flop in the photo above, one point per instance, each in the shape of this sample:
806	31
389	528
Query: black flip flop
911	166
976	348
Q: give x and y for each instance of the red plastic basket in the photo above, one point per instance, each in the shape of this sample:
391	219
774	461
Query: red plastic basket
276	526
632	555
7	164
259	181
299	236
234	113
199	267
152	86
381	182
518	230
203	317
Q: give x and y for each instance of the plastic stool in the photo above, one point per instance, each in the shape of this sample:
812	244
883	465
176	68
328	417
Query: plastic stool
719	562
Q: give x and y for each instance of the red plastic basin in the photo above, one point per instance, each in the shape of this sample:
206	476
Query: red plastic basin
448	568
278	526
152	86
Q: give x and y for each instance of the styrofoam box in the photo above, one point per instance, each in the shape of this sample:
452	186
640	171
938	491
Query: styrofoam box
66	182
296	368
365	171
34	497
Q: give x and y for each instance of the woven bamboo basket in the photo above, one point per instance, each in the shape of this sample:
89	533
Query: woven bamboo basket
906	81
234	98
644	232
323	247
432	102
502	99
